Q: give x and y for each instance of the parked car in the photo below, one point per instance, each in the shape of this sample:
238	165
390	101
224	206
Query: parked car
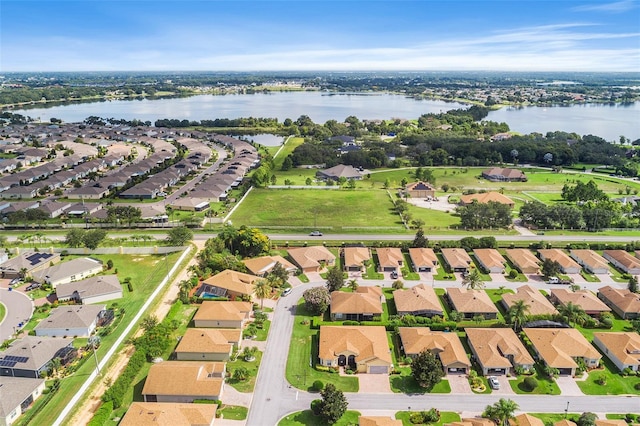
15	281
493	382
315	234
33	286
394	275
286	291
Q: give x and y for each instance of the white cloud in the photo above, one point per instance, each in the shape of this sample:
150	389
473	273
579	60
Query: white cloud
615	7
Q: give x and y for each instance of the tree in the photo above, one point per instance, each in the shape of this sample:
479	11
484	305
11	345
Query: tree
74	237
420	240
633	284
353	284
501	412
518	313
426	369
335	278
262	289
316	300
587	419
179	236
333	404
240	374
149	322
573	313
473	280
92	239
550	268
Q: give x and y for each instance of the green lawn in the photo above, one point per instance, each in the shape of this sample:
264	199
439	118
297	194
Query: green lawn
551	418
445	418
3	311
263	332
546	386
146	271
252	366
304	350
405	383
615	384
233	412
307	418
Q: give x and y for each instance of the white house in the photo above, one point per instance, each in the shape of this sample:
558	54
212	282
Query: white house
16	396
66	272
72	321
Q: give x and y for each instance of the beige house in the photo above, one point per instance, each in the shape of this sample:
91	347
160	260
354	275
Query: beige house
525	419
378	421
228	283
223	314
591	261
499	174
208	344
560	347
354	258
471	303
184	381
567	265
28	262
497	350
390	259
485	198
456	259
622	301
538	304
361	348
365	304
423	259
446	346
623	260
66	272
420	300
491	260
312	259
622	348
583	298
17	395
420	190
166	414
473	421
524	261
261	266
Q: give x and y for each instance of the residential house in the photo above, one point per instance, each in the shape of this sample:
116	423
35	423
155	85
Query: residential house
223	314
591	261
420	190
456	259
390	259
485	198
500	174
622	348
261	266
471	303
560	347
447	347
27	263
30	356
312	259
190	204
54	208
365	304
524	261
228	283
16	396
74	321
184	381
621	301
473	421
497	350
490	260
66	272
208	344
419	300
360	348
354	258
567	264
623	260
378	421
583	298
101	288
525	419
339	171
169	414
423	259
537	302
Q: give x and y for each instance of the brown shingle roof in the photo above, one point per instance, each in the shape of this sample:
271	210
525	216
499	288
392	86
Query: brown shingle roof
486	197
367	343
417	298
559	256
309	257
583	298
456	257
523	259
235	281
625	300
493	345
264	264
471	301
538	304
378	421
525	419
559	346
186	378
622	257
223	311
364	300
624	345
423	256
389	256
169	414
356	256
446	345
490	258
591	258
209	340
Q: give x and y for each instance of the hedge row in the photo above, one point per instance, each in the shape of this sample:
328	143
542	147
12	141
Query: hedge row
117	391
102	414
390	325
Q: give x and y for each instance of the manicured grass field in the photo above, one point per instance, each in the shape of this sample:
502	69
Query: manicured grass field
307	418
252	366
3	311
304	346
405	383
233	412
546	386
615	384
445	418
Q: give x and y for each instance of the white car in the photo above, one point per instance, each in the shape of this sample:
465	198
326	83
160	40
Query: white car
493	382
286	291
315	234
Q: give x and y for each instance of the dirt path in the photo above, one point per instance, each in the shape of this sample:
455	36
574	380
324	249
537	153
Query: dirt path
91	402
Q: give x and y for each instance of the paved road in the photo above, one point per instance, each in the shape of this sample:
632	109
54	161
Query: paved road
274	398
19	308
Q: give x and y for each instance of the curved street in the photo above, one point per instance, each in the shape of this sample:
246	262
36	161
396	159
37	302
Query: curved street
19	308
274	398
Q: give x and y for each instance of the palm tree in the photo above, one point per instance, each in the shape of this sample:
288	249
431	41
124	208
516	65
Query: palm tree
573	313
262	289
502	411
353	284
473	281
518	313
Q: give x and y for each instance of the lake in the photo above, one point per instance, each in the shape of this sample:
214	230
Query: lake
604	120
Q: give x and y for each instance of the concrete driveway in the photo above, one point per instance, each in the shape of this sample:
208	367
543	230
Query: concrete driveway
374	383
568	386
459	384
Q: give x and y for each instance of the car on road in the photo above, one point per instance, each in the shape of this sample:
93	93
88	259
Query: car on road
493	382
286	291
315	234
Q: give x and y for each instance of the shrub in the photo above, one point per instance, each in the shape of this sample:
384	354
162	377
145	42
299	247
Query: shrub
530	383
601	380
513	274
322	367
102	414
318	385
637	386
316	406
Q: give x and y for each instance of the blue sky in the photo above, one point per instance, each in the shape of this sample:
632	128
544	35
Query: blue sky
157	35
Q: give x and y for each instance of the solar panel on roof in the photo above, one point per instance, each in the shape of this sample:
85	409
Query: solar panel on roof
4	363
16	358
